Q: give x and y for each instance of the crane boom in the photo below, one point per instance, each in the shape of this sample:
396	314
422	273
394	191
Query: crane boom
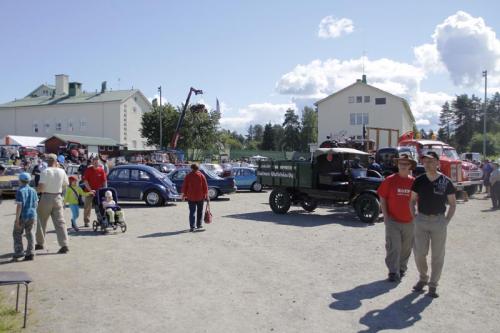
175	138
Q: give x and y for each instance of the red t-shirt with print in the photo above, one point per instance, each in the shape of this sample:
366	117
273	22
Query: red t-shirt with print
396	191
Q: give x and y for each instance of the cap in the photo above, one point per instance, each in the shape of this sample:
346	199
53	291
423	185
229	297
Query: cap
24	177
52	157
431	154
73	177
407	158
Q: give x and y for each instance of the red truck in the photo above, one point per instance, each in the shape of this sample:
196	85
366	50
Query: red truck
465	175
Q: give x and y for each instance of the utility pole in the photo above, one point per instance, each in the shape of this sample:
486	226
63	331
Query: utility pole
161	123
485	75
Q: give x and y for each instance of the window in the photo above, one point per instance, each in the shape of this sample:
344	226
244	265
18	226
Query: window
247	173
359	99
102	148
134	109
134	144
70	125
359	118
58	126
123	174
47	127
110	148
35	127
351	99
367	99
139	175
180	175
83	124
353	119
380	101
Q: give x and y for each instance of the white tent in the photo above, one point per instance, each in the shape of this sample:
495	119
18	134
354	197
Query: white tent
24	141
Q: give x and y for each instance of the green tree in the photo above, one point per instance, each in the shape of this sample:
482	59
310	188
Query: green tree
250	133
150	124
465	110
446	119
279	136
258	132
309	132
268	138
292	130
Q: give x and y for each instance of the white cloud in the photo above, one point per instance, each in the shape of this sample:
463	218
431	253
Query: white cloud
465	46
426	107
163	99
330	27
262	113
321	78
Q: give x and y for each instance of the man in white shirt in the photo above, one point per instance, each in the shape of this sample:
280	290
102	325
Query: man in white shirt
52	186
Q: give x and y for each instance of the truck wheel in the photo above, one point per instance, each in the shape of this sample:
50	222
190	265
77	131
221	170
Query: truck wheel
280	201
471	190
367	207
309	204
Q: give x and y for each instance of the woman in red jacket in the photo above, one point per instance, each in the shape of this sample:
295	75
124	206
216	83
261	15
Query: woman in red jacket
195	191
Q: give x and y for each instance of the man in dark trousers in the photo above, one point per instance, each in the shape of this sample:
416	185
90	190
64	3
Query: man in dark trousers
432	191
195	191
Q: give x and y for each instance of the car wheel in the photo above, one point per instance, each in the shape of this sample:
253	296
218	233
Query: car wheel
367	207
280	201
213	193
309	204
256	187
153	198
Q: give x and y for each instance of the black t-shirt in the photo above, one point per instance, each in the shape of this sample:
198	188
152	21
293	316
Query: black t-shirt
432	196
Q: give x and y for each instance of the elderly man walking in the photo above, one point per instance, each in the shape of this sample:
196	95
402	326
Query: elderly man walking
52	185
395	194
94	179
432	191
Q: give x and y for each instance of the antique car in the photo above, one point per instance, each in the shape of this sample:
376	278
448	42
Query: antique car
246	179
9	180
333	175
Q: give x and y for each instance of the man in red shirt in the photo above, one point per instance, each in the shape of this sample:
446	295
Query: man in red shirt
195	191
94	178
395	194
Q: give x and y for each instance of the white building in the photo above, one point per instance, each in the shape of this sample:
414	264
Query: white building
66	109
343	114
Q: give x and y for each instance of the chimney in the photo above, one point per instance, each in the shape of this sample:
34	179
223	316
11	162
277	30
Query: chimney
364	79
62	84
103	87
75	88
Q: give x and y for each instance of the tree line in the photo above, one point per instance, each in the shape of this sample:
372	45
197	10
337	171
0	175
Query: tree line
461	124
201	130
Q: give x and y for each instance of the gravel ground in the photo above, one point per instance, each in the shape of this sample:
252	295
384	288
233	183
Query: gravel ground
254	271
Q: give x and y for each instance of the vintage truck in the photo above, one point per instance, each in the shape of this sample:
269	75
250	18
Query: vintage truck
333	175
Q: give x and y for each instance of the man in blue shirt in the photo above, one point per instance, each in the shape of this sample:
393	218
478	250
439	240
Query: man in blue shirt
26	205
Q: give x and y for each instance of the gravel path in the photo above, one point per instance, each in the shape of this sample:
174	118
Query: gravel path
254	271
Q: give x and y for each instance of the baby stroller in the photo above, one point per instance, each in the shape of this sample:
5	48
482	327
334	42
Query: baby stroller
102	218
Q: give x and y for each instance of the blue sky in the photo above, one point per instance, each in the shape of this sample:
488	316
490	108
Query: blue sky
257	57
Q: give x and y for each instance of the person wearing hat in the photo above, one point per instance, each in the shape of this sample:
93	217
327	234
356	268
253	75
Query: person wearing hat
395	194
53	184
495	185
26	205
432	191
373	165
73	198
94	178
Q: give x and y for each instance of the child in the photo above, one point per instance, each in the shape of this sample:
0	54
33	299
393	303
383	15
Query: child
111	208
74	194
26	205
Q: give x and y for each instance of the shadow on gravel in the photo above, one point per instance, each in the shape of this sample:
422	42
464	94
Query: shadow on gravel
303	219
399	315
351	299
164	234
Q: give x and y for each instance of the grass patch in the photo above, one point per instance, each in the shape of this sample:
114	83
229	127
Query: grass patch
10	320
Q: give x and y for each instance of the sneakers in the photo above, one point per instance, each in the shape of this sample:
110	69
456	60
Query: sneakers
432	292
393	277
38	247
199	227
419	286
191	229
63	250
29	257
402	274
17	259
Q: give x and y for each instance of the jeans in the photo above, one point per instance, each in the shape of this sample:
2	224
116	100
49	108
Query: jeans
75	212
195	206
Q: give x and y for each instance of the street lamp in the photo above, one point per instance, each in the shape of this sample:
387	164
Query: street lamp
161	124
485	75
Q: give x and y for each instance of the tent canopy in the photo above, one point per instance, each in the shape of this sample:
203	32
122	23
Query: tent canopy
25	141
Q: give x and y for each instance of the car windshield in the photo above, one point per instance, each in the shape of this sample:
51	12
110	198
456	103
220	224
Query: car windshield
451	153
160	175
210	173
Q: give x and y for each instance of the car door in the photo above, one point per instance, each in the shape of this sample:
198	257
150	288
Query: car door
247	178
119	180
139	180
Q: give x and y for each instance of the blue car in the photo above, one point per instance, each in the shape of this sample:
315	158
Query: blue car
216	185
137	182
246	179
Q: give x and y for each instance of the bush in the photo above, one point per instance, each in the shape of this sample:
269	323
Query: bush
492	143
